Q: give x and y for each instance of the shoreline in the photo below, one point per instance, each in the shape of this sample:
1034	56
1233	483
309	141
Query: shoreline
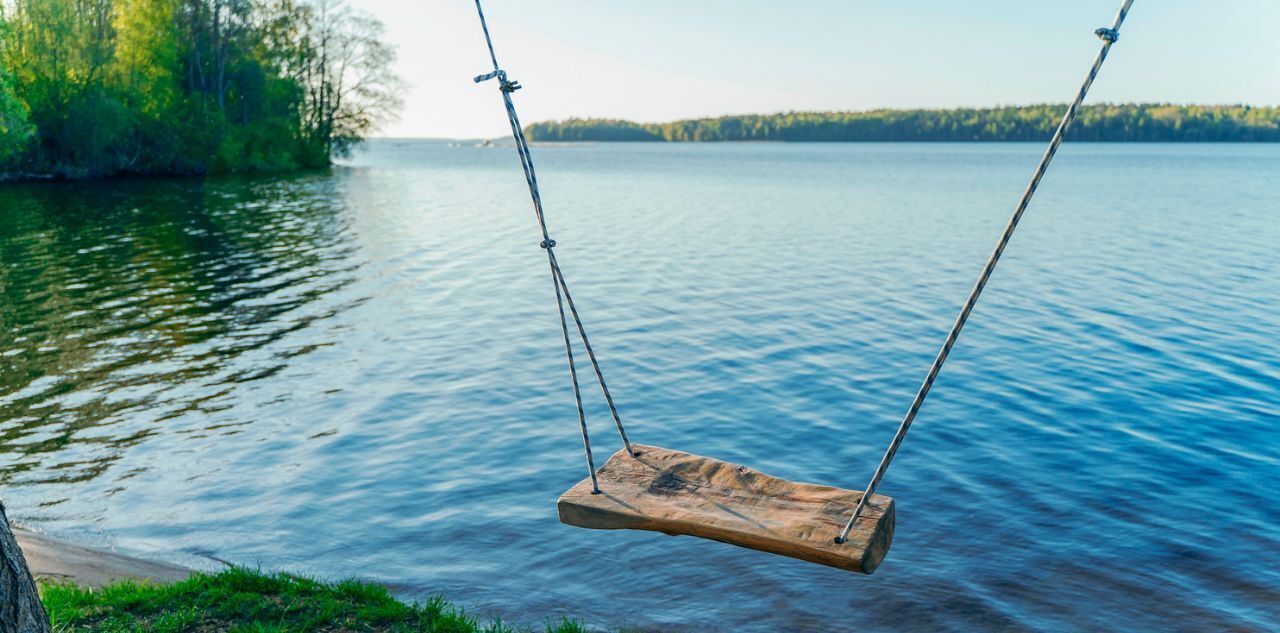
71	579
30	177
58	561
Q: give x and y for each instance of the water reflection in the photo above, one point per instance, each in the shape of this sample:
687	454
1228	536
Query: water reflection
123	305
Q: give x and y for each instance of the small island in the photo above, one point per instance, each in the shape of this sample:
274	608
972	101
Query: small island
1114	123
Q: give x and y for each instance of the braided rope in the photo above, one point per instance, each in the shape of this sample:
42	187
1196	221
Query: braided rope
1108	37
506	87
591	354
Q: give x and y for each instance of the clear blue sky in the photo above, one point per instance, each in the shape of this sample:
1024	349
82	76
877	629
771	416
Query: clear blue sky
657	60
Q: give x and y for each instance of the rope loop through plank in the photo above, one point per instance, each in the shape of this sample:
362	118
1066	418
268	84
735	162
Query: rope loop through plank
563	298
1108	37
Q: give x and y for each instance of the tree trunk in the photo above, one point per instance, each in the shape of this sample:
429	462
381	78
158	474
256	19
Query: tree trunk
20	607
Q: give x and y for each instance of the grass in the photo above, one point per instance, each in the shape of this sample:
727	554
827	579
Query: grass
246	601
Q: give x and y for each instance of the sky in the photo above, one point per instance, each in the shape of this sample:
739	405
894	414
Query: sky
660	60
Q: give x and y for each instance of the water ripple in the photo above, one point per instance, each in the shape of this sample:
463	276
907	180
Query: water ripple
358	372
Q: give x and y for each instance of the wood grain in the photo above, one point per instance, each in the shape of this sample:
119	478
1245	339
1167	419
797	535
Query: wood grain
678	493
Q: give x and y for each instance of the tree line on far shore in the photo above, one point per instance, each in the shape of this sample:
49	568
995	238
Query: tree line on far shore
1125	122
110	87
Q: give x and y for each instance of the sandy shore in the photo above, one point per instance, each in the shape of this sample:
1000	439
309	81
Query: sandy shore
55	560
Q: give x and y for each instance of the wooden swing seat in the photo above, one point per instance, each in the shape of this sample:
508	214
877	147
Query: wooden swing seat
677	493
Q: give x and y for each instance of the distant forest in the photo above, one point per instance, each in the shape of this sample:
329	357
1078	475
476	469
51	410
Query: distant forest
110	87
1130	122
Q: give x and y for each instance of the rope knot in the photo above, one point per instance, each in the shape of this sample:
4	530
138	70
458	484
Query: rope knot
500	74
503	83
547	243
1107	35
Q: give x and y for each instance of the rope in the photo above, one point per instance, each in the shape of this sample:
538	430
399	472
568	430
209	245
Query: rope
506	87
591	354
1108	37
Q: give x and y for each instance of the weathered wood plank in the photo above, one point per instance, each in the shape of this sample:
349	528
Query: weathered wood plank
678	493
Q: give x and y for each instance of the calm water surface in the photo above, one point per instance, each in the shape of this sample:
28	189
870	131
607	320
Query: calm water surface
357	373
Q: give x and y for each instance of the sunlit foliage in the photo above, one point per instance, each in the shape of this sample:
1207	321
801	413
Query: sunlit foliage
16	130
104	87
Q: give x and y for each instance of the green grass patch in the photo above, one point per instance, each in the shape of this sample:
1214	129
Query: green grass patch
246	601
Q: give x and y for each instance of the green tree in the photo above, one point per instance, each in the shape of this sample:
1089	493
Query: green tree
144	76
350	87
59	51
102	87
16	130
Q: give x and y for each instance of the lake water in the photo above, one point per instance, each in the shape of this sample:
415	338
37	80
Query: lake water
359	373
